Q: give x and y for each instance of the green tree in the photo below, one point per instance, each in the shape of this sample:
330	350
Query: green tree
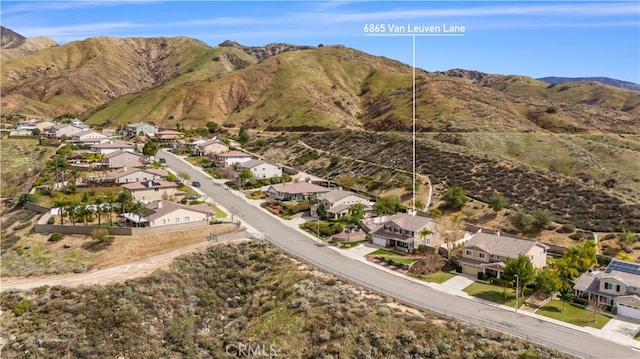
522	267
61	204
27	197
449	230
150	148
581	257
522	221
212	127
455	197
497	202
548	280
246	174
243	136
541	218
35	132
388	204
355	213
566	293
65	150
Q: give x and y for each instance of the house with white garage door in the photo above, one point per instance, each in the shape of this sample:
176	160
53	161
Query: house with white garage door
402	231
617	286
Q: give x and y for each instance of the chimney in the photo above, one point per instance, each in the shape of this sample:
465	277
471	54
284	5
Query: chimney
159	204
498	232
124	168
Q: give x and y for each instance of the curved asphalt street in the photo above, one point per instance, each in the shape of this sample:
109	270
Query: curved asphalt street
549	334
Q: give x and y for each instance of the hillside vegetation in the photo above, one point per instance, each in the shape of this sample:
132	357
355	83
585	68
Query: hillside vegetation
208	304
285	87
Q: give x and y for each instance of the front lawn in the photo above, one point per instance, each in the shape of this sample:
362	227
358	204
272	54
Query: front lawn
572	314
496	294
437	277
637	337
385	252
403	260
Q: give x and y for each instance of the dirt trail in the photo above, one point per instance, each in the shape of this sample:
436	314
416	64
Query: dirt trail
115	274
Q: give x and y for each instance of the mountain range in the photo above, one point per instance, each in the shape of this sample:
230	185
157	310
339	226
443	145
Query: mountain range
167	81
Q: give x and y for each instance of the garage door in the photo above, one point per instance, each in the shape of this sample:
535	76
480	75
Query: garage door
628	311
380	241
467	269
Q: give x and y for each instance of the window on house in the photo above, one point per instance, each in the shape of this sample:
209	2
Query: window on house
186	218
618	288
387	228
177	220
608	285
397	230
468	253
481	255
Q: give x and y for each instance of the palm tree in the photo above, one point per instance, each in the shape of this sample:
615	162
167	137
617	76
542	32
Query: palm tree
125	200
110	200
98	203
140	209
423	233
353	217
60	204
72	210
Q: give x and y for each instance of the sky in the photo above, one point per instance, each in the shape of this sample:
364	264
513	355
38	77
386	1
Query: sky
537	39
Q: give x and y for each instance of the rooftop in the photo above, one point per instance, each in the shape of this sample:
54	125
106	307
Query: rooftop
233	154
299	188
149	184
501	245
338	194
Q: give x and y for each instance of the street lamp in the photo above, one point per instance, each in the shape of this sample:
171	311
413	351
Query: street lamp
517	285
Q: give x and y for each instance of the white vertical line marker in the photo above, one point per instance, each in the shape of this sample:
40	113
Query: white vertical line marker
413	204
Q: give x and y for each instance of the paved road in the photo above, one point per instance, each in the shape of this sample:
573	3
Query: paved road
565	339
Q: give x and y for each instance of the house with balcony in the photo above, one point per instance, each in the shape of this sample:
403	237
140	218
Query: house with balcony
617	286
231	158
336	202
210	147
108	147
401	231
488	253
89	137
151	190
261	169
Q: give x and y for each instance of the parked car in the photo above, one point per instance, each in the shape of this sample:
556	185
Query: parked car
195	184
192	198
177	180
207	165
162	160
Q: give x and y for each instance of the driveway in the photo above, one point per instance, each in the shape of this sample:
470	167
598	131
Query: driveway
456	284
616	329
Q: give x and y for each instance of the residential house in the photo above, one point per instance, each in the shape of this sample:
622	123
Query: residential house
295	191
112	146
126	175
488	253
617	286
43	124
118	159
151	190
134	129
402	231
63	130
232	157
89	137
336	203
164	213
27	125
211	147
261	169
168	136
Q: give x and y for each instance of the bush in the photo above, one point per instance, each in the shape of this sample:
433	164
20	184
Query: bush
51	220
22	307
55	237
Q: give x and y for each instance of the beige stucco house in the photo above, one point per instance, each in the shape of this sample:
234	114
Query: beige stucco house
165	213
295	191
63	130
488	253
211	147
401	231
127	159
127	175
232	157
336	203
617	286
89	137
151	190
